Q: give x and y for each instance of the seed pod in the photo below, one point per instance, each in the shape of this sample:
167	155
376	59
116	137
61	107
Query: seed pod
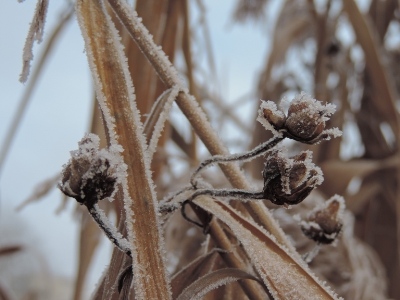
90	175
307	117
305	121
324	224
289	181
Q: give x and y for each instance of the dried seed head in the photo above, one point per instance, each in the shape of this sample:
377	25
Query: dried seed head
324	224
289	181
90	175
305	121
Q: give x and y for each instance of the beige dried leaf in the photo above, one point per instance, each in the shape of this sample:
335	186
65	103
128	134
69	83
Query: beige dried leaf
272	262
213	280
192	272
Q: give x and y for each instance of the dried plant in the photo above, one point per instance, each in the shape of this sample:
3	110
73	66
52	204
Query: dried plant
261	237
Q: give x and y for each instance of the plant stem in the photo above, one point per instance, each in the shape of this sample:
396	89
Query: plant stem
111	232
260	149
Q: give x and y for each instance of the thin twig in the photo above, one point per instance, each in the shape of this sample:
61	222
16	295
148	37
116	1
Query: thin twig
218	159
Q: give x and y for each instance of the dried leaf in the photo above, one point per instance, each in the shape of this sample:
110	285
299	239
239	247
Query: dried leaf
211	281
193	271
271	260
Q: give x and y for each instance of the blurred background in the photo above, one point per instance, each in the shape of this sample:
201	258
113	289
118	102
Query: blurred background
231	54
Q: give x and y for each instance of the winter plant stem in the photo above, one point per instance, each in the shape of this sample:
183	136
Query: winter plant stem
110	231
260	149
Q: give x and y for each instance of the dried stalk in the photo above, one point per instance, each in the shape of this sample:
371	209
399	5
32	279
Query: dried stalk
115	94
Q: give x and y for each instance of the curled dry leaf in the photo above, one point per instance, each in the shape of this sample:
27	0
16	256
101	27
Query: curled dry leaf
193	271
198	289
272	261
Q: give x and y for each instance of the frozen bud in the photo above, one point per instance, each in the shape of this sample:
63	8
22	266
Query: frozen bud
324	224
306	120
289	181
90	175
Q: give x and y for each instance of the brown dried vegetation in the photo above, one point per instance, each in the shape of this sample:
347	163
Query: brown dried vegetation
242	252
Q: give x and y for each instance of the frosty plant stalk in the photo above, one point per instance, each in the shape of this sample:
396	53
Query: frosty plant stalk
122	171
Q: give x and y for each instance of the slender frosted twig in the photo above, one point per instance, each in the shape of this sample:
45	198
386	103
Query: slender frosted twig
309	256
225	193
217	159
109	229
235	194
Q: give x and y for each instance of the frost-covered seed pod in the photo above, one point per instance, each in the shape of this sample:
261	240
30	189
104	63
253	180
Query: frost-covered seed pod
289	181
90	175
305	121
306	117
324	224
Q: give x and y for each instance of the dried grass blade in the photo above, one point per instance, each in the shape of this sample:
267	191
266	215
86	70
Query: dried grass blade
35	34
191	272
115	94
272	261
198	289
157	118
382	85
